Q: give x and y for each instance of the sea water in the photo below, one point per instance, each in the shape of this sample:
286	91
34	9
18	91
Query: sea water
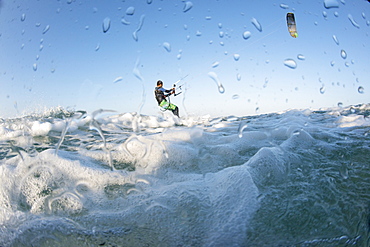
294	178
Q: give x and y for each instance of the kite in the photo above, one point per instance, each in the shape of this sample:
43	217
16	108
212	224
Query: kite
290	21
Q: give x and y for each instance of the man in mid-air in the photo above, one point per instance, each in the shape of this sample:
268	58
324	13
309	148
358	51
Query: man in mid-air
161	98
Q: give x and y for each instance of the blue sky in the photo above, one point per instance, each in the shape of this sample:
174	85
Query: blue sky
57	53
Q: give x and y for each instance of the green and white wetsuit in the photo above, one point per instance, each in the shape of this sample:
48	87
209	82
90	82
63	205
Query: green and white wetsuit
162	102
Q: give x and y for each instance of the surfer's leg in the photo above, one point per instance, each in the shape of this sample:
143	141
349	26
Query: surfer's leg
176	111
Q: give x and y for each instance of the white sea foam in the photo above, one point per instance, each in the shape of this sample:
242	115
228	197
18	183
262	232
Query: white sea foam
193	181
353	121
40	129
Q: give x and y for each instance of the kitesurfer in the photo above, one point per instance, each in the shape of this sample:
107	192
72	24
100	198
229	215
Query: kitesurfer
161	98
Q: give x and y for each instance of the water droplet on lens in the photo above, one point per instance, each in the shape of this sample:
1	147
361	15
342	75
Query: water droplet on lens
324	14
23	17
97	47
118	79
257	110
125	22
335	39
134	34
46	29
130	11
215	64
137	73
188	6
284	6
301	57
331	4
236	57
354	23
361	89
322	90
290	63
256	24
221	88
343	54
238	77
214	77
235	96
332	63
242	126
340	104
106	24
34	66
247	35
167	46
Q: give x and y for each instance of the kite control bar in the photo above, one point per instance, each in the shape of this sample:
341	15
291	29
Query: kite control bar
179	87
174	90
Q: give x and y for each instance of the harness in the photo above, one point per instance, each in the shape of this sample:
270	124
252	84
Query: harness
159	94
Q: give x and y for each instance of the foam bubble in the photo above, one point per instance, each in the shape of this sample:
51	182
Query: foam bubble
40	129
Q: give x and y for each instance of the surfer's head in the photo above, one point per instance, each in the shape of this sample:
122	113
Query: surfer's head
159	83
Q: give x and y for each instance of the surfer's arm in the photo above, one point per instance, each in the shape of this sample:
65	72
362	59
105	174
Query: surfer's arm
169	91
